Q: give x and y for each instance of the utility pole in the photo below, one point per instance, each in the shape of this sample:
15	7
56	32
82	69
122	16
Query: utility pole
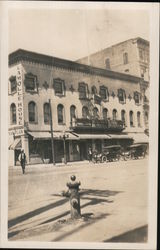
51	125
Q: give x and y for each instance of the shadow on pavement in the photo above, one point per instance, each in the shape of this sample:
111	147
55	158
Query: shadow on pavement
93	195
35	212
91	222
137	235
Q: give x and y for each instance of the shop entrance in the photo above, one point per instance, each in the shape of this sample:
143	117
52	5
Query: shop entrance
83	150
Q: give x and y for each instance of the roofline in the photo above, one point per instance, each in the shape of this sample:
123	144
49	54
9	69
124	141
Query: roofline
21	55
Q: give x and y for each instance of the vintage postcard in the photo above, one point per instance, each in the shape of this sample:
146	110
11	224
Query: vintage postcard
79	124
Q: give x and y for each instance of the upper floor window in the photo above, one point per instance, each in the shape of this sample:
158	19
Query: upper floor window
146	116
59	87
46	111
13	114
85	112
60	114
105	113
137	97
95	112
131	118
32	110
83	90
121	95
13	84
94	90
114	113
141	54
125	58
138	119
72	112
123	116
107	62
31	84
103	92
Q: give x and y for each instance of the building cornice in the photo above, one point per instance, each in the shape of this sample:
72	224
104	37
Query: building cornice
28	56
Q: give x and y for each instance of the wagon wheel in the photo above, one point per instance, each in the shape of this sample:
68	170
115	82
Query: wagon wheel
104	158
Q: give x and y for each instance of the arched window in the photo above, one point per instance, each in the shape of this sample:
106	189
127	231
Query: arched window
95	113
146	116
13	113
46	112
123	116
60	114
105	113
94	90
107	62
72	112
125	58
32	110
114	113
85	112
138	119
131	118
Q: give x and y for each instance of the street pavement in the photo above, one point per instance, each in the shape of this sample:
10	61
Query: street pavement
113	202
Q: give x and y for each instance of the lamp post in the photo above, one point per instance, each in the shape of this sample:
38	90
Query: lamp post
64	136
51	126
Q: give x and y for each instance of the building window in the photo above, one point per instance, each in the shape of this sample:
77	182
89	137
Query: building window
85	112
105	113
13	118
125	58
30	82
114	113
94	90
32	109
146	116
137	97
46	111
72	112
143	71
95	113
123	116
60	114
59	87
103	92
83	90
122	95
107	62
13	84
131	119
139	119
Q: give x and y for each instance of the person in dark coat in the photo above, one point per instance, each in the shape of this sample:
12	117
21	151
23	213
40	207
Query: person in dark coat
22	159
90	154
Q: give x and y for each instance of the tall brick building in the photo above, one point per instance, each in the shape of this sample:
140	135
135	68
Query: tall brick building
89	107
130	57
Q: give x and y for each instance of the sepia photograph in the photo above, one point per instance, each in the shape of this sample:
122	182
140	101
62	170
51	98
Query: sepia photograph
79	123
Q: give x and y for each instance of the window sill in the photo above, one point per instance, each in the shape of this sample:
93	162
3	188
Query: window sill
12	93
33	122
61	124
60	95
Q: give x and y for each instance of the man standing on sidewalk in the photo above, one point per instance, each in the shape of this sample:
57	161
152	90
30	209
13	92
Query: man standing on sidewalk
22	159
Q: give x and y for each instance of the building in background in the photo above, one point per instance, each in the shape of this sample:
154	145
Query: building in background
130	57
90	107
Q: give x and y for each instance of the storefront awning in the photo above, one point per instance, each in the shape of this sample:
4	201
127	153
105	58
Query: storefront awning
93	136
16	144
44	135
114	136
140	137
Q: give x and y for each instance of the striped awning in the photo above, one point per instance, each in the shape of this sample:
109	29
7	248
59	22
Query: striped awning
16	144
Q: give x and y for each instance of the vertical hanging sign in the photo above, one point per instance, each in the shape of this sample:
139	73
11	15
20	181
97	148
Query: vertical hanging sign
20	114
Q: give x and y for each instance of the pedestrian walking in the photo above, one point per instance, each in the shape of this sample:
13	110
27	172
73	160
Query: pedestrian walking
90	154
22	159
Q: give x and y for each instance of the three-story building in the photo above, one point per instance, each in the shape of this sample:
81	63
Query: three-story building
89	107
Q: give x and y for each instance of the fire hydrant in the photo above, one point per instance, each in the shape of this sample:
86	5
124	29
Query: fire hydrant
74	196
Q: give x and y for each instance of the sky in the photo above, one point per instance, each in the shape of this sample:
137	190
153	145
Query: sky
74	33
